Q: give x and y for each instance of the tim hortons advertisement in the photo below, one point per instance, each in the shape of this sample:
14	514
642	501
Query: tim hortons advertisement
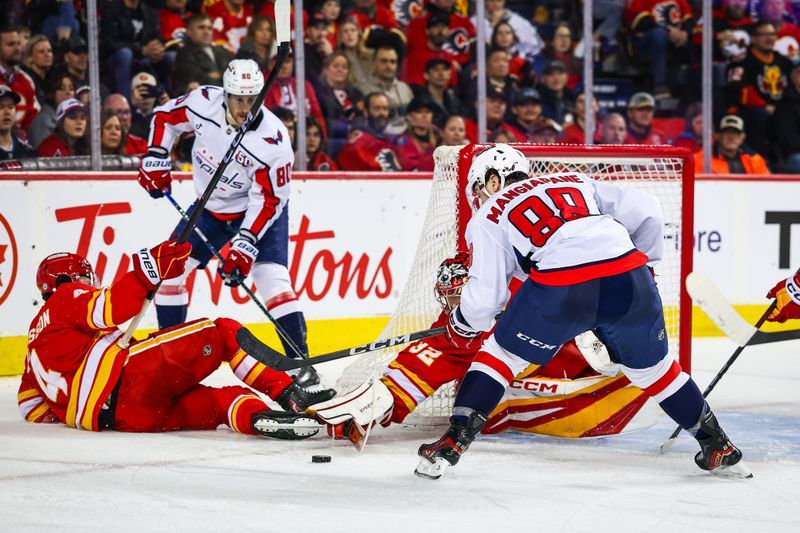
351	243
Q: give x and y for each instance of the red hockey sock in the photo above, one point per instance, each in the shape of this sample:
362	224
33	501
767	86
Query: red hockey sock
260	377
241	411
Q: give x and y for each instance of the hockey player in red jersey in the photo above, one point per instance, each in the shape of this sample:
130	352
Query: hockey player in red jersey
787	296
76	374
587	247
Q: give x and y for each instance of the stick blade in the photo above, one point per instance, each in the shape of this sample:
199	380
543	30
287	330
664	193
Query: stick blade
282	17
705	294
260	351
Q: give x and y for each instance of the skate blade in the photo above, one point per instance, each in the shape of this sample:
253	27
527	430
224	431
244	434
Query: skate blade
737	471
302	428
427	470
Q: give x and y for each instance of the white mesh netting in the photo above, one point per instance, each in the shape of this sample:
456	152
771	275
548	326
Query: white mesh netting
417	308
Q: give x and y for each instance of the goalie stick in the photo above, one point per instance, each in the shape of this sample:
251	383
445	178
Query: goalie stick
281	333
707	295
276	360
282	28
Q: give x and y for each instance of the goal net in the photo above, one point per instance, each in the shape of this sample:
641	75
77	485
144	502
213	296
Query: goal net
663	171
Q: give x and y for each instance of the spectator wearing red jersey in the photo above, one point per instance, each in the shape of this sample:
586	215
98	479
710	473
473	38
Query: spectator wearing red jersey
368	13
460	34
438	74
331	11
316	156
259	44
530	43
731	27
526	110
230	19
613	129
436	33
11	145
17	80
560	48
118	104
641	109
495	116
415	147
730	156
692	135
370	147
574	131
660	32
172	17
519	68
282	93
384	79
71	134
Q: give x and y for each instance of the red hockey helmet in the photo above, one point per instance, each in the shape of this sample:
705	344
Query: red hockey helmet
451	278
61	268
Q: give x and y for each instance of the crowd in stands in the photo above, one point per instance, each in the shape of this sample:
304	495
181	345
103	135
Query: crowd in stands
387	81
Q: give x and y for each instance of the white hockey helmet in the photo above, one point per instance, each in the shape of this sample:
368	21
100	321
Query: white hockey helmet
243	78
501	159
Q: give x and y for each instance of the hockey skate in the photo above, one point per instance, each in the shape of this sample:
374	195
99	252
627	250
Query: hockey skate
295	399
717	454
445	452
285	426
306	376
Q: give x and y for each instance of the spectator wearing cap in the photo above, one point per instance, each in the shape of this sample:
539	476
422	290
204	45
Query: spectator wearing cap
11	146
130	36
437	31
316	155
730	155
367	13
495	116
415	147
692	135
458	36
454	132
574	131
57	89
756	84
83	94
369	146
317	46
71	134
526	110
530	43
200	61
37	62
230	19
259	43
283	93
145	93
384	79
561	48
76	61
786	124
557	100
350	40
438	78
613	129
118	104
660	32
498	75
519	67
641	108
338	100
17	79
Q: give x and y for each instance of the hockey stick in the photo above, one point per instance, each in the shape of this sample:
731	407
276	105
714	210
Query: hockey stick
698	285
282	29
274	359
281	333
706	295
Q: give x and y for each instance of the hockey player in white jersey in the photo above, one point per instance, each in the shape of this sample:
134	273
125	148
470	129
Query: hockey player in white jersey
248	207
588	248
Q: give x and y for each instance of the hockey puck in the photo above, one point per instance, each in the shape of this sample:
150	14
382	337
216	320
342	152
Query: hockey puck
320	458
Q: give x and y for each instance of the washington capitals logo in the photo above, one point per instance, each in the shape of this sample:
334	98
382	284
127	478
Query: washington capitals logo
275	140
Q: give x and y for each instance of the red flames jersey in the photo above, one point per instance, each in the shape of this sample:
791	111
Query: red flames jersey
367	152
461	35
230	27
22	84
641	15
73	361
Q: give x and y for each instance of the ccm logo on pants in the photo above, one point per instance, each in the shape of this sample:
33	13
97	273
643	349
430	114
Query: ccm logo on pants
536	343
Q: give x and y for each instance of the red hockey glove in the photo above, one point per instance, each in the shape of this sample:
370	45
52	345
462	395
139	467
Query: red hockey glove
787	296
460	333
239	261
164	261
155	172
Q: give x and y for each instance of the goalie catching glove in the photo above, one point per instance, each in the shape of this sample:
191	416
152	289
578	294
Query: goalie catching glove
787	299
237	265
164	261
155	172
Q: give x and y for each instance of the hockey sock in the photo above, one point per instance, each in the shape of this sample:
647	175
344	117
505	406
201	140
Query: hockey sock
294	324
241	412
259	376
171	315
478	392
686	406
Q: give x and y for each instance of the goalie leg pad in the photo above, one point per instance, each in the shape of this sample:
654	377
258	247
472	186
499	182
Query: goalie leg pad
366	404
596	354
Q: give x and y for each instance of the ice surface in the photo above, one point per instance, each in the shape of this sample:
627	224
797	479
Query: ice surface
53	477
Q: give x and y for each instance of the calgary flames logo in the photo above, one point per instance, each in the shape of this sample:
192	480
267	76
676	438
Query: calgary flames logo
772	81
667	14
457	41
8	259
405	10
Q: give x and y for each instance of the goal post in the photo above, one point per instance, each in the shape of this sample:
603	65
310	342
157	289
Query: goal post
663	171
